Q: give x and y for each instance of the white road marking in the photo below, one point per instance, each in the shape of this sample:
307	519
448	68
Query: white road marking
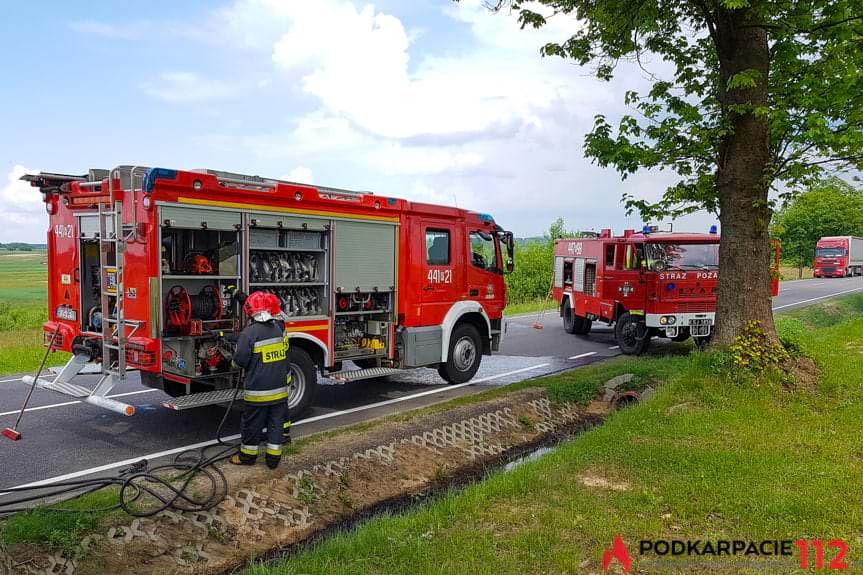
579	356
10	380
614	347
176	450
65	403
816	298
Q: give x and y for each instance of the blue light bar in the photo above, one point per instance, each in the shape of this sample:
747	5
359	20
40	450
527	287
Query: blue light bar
155	173
714	229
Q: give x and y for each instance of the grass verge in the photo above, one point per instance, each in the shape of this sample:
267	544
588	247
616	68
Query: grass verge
702	460
530	307
62	530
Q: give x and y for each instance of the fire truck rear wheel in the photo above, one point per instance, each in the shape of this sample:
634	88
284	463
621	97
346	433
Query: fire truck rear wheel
573	323
465	355
304	382
631	335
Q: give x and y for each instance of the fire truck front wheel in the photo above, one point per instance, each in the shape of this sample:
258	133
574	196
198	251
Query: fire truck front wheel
465	355
304	381
632	335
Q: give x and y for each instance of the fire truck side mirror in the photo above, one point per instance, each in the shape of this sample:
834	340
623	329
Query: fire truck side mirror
509	240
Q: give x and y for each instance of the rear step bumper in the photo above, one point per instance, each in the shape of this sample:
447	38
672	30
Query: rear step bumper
359	374
194	400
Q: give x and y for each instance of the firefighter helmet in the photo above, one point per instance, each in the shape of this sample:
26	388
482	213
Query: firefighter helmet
258	306
275	304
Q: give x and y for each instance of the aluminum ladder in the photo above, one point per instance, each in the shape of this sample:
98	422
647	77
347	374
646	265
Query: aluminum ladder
113	237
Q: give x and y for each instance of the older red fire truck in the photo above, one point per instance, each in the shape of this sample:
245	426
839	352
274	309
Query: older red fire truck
145	264
646	284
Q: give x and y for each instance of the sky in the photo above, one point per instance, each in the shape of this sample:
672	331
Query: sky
427	100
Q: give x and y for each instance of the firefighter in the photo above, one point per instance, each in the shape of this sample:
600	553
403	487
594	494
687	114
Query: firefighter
262	351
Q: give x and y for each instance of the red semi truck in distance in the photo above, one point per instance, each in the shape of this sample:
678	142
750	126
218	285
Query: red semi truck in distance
146	265
838	256
646	284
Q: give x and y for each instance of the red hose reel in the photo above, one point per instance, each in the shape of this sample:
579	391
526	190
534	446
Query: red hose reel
182	309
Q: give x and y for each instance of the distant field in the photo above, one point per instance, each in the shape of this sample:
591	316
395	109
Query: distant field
23	301
23	276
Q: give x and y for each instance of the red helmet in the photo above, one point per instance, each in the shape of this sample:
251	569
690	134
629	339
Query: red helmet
275	304
257	302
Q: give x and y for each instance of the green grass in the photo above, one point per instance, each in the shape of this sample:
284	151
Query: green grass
23	276
61	530
703	460
530	306
23	309
790	273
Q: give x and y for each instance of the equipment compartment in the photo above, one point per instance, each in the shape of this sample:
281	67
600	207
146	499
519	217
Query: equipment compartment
293	265
363	325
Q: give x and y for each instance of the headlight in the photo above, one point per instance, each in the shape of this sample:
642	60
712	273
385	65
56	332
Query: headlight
667	320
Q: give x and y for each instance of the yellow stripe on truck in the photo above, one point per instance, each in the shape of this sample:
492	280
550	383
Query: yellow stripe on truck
266	208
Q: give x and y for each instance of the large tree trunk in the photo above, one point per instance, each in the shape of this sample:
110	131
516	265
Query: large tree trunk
741	180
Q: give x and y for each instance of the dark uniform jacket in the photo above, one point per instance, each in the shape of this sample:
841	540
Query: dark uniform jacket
262	350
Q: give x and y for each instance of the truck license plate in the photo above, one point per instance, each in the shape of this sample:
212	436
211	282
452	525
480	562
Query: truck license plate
700	327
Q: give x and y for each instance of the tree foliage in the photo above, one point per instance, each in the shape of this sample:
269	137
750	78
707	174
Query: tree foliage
831	207
814	86
534	259
748	94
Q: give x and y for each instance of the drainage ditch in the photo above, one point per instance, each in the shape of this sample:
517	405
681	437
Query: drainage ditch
506	462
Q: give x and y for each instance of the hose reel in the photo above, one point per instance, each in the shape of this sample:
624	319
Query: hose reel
181	308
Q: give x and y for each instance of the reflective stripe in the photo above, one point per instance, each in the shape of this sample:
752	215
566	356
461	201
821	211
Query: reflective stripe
262	392
269	341
249	449
266	395
273	449
286	425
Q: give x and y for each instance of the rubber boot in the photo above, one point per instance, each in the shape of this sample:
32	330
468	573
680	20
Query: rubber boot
273	460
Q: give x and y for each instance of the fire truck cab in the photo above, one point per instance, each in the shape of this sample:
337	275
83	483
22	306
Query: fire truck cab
647	284
147	268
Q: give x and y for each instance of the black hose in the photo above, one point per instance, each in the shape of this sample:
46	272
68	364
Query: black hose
147	491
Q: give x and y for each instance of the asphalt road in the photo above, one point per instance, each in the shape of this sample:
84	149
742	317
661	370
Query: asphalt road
64	439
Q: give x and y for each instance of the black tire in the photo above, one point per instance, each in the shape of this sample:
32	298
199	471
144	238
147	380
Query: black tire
583	324
568	318
631	335
464	357
305	379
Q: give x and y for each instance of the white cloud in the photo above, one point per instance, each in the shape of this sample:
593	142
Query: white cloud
186	87
483	122
300	175
356	61
23	217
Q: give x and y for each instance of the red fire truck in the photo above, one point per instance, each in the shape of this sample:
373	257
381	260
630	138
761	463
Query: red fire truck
839	256
647	284
145	265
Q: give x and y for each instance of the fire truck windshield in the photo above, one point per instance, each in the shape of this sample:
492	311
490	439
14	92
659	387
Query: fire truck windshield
829	252
665	256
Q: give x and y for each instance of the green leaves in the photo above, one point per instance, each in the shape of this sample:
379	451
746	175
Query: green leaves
830	207
814	88
746	79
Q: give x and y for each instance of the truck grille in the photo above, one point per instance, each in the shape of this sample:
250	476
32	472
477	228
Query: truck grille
696	306
696	294
828	269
